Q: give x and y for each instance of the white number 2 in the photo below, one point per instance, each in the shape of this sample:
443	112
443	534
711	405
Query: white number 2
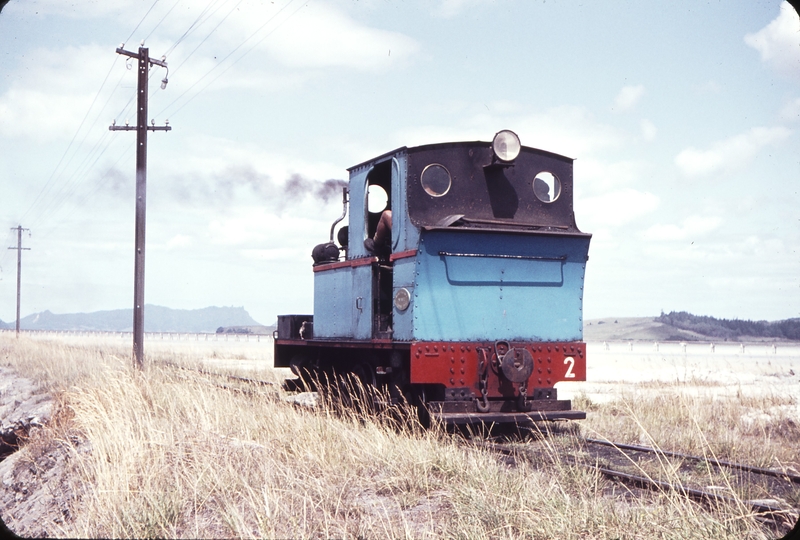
571	361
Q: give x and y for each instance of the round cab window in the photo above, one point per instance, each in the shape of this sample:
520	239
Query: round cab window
377	199
435	180
546	187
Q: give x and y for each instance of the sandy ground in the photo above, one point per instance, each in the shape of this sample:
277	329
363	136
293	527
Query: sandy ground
616	367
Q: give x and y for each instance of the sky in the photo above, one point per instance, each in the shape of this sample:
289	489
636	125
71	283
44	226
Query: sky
683	118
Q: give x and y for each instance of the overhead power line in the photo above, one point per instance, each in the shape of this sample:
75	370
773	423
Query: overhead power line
72	171
48	185
196	24
140	22
221	62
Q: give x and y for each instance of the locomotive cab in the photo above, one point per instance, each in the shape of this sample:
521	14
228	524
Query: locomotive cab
474	304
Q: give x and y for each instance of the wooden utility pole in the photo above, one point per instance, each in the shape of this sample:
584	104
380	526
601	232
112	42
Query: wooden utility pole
141	191
19	249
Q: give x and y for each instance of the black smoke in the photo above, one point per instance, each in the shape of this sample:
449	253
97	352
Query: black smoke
230	186
298	187
237	182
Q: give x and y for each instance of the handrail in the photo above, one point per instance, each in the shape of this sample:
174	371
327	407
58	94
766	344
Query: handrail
490	256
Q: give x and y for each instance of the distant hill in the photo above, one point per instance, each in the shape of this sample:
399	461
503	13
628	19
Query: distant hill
682	326
634	329
5	326
732	328
156	319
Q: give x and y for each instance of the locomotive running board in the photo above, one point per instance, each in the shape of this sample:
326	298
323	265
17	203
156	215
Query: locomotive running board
518	418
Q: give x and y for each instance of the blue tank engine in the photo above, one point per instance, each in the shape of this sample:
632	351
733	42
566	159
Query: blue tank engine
457	283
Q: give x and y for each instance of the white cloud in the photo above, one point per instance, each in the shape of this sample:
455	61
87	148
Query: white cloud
615	208
179	241
279	254
300	36
205	155
729	154
710	87
256	228
451	8
598	175
314	35
568	129
649	129
791	111
41	116
82	9
628	97
51	93
779	41
324	37
690	228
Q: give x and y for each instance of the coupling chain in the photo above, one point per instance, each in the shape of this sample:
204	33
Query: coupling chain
482	404
522	402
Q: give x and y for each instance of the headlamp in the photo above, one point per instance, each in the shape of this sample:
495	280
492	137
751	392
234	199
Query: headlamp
402	299
506	145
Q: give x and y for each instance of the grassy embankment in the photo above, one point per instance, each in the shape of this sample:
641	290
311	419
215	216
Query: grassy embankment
164	453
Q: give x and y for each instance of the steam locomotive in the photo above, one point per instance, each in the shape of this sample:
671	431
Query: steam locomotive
471	305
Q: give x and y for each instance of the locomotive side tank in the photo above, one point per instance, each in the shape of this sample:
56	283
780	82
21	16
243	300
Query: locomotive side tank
474	308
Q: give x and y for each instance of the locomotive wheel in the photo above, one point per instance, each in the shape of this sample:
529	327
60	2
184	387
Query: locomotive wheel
416	398
308	377
365	374
355	389
365	386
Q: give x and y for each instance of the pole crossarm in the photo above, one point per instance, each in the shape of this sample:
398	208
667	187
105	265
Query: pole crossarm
19	242
134	128
122	51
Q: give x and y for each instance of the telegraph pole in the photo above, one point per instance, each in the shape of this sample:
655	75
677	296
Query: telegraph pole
19	249
141	190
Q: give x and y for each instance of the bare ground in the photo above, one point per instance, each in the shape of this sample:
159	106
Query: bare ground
34	487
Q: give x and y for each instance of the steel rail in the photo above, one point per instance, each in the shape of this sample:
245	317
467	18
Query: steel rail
696	494
718	462
763	509
226	387
231	377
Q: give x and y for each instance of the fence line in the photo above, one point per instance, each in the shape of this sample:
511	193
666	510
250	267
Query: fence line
617	346
687	348
150	336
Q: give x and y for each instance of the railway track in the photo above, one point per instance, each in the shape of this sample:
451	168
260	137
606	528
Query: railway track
785	475
241	381
767	509
611	464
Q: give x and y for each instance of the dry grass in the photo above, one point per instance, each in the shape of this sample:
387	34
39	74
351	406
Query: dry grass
161	454
762	431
